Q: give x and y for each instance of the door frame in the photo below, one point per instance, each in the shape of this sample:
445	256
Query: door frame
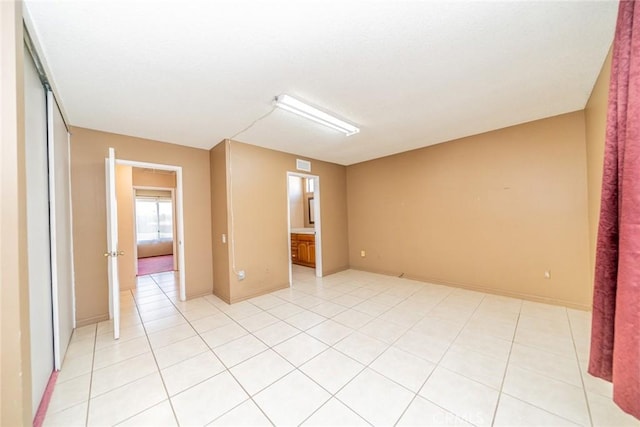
179	214
317	222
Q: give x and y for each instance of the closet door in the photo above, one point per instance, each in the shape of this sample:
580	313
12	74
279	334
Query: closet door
38	232
61	232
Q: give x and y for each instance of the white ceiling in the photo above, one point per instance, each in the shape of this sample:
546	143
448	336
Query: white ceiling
409	73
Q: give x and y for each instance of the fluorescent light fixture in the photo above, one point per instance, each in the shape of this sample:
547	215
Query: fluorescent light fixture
295	106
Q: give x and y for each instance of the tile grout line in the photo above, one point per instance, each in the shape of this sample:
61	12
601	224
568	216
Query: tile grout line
93	359
506	367
584	388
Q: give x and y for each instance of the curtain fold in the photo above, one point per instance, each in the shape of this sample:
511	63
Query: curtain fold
615	336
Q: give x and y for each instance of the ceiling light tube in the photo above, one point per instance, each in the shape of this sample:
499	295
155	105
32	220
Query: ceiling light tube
295	106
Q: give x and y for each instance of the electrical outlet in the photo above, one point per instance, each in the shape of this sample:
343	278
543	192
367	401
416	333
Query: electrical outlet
241	275
363	254
224	238
547	274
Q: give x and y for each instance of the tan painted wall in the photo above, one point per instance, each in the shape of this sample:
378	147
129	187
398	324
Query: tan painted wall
219	226
88	150
15	359
595	114
148	178
296	206
126	237
491	211
259	187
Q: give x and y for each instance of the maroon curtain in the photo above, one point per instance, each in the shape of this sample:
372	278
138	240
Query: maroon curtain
615	335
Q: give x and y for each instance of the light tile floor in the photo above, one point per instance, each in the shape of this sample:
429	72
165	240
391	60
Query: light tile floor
353	348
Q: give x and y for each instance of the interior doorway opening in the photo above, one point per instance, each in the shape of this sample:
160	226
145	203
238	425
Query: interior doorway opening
304	224
156	234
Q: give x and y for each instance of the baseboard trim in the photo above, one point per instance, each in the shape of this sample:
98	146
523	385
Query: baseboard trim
488	290
91	320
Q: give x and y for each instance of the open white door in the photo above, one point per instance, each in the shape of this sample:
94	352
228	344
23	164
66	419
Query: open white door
112	243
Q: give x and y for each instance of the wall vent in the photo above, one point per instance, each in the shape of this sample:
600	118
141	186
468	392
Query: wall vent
303	165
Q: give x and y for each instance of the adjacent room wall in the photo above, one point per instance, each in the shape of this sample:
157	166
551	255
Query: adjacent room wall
596	124
150	178
258	184
490	212
88	151
219	226
296	206
126	238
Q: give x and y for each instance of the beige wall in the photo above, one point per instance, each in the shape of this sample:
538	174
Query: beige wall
88	150
15	359
149	178
126	238
596	124
258	183
492	212
220	227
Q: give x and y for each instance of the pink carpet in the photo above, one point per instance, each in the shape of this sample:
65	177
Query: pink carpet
155	264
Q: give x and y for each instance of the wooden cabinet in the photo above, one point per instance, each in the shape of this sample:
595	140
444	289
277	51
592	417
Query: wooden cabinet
303	249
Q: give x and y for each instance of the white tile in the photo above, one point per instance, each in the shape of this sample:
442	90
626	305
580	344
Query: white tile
361	347
305	320
335	413
559	327
164	323
260	371
257	321
474	365
514	412
487	345
555	396
301	348
484	326
468	399
383	330
286	310
191	371
276	333
170	335
121	373
239	350
329	332
605	412
292	399
246	414
377	399
552	365
80	347
129	400
74	416
435	327
594	384
224	334
179	351
70	393
371	308
332	370
206	401
73	367
431	349
421	412
347	300
160	415
211	322
404	368
353	318
328	309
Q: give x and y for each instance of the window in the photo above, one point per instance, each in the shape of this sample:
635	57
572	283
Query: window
310	185
154	219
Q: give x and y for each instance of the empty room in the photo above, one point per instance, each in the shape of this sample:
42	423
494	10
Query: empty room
329	213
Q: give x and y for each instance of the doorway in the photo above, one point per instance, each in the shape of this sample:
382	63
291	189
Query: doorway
304	224
166	201
154	225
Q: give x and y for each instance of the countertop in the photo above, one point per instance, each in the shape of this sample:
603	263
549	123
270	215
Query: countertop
303	231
